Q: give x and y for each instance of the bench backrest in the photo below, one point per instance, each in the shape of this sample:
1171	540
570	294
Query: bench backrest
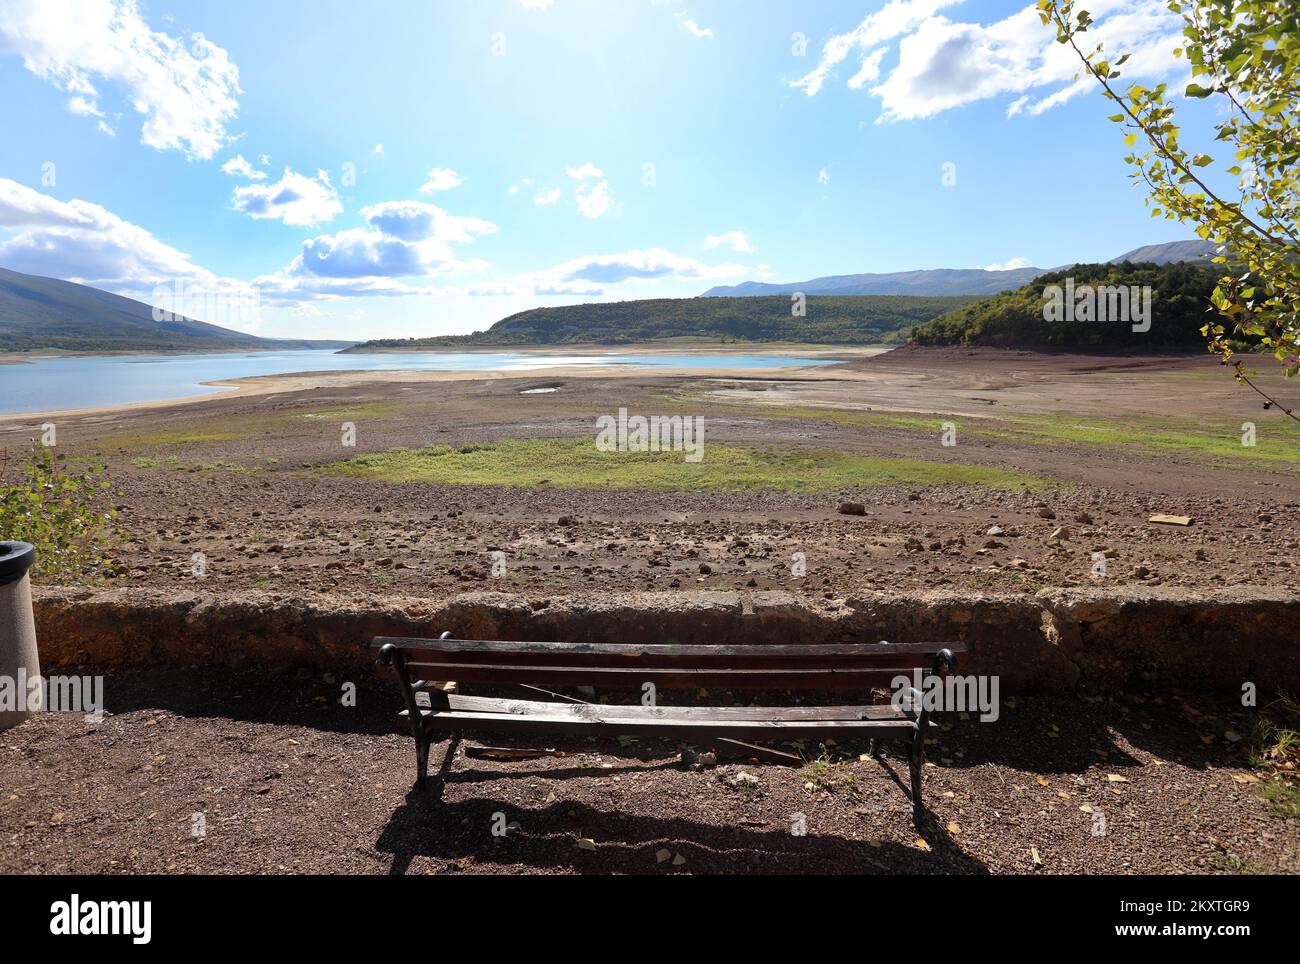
783	666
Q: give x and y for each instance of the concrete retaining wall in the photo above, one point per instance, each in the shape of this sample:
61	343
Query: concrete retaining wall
1106	639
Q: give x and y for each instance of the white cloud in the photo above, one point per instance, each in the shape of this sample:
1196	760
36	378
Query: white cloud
536	4
869	70
705	33
440	179
894	19
1009	265
824	176
594	200
736	240
237	166
544	198
944	64
404	239
84	242
418	221
295	199
585	171
591	275
186	90
378	150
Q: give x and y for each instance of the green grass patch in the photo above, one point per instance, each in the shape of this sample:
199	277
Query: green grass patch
164	439
1277	449
578	464
1282	796
1276	445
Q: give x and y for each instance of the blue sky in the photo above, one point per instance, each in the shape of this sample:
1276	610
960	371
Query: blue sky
397	169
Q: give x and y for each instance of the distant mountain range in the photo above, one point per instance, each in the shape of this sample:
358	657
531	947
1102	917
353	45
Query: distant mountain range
44	313
950	281
936	281
1169	253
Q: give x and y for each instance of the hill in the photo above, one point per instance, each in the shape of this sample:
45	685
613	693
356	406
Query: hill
1180	296
38	314
839	321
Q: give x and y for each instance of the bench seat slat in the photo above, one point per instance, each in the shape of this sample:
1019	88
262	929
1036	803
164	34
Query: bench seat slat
486	704
421	657
691	728
784	677
419	647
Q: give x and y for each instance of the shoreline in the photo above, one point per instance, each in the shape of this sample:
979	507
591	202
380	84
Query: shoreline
669	347
250	386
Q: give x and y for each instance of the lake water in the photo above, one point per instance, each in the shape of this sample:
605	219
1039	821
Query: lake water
53	384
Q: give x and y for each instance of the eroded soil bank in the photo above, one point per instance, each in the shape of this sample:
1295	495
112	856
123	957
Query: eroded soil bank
1054	641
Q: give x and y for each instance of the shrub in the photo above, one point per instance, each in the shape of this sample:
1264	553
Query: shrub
55	510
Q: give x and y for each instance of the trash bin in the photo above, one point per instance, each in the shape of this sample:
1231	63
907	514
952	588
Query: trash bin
19	662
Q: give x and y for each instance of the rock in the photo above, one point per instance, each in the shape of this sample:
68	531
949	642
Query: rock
1083	518
705	568
1060	532
852	508
693	759
1046	513
742	781
995	531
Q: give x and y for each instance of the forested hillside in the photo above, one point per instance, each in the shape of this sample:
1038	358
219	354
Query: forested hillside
1180	299
836	321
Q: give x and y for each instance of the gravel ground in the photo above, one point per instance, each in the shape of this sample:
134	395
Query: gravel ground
288	780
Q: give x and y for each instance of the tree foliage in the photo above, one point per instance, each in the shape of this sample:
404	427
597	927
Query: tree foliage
1179	302
1245	56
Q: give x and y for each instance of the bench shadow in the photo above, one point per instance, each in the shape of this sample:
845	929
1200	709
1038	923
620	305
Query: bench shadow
547	838
1045	735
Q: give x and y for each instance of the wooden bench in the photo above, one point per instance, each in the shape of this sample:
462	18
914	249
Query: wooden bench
419	662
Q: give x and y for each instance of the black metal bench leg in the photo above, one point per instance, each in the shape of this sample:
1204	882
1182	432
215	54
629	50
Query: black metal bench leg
390	655
422	763
917	764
